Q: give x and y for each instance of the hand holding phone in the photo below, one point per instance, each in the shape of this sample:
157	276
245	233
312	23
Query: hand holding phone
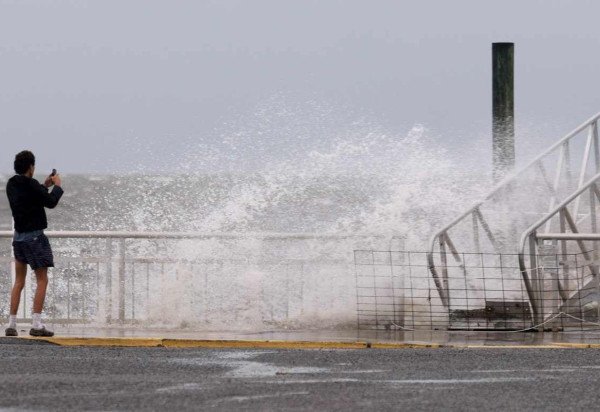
49	180
55	177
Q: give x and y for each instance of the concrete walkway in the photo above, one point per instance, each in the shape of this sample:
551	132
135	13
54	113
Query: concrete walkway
312	339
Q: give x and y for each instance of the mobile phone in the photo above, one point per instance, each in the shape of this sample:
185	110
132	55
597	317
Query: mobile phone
53	172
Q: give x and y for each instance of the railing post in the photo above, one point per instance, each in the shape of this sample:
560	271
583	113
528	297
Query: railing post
444	266
552	294
476	233
596	146
538	307
109	297
121	290
594	226
582	172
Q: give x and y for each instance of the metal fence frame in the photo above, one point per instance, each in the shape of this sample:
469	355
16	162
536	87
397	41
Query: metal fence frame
441	244
122	262
531	241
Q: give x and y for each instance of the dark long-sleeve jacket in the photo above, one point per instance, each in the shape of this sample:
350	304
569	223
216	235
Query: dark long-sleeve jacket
27	198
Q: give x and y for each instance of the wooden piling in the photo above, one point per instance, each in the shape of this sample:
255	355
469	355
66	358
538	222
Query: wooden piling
503	119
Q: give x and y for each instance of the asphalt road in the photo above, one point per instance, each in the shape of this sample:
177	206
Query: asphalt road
66	378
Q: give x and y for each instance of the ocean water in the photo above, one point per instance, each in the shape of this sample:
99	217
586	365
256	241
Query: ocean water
393	185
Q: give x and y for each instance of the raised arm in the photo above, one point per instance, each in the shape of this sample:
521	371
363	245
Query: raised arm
48	199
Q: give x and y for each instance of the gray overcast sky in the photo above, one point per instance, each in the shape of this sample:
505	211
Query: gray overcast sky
101	86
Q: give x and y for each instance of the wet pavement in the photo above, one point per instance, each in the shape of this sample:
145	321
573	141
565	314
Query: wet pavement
51	377
465	371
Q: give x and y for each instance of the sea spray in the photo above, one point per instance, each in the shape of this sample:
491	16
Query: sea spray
375	184
363	188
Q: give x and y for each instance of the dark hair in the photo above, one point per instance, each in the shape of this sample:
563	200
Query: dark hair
23	160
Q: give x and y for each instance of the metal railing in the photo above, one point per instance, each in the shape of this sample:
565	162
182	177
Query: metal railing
573	227
66	234
132	277
491	225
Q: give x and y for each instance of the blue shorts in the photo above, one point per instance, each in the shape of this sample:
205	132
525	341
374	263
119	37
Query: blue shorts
36	252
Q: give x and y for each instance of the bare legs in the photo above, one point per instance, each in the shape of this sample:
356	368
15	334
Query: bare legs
41	275
15	296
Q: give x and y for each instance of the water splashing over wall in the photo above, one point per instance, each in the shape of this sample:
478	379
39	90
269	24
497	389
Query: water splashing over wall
358	179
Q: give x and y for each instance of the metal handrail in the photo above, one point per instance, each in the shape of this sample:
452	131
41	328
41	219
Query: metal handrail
567	236
550	215
439	235
119	266
195	235
534	227
513	176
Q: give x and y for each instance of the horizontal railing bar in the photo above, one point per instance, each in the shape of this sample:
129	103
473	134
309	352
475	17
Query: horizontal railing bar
196	235
568	236
92	259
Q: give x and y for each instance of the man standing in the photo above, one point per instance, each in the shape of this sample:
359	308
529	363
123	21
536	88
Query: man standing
27	198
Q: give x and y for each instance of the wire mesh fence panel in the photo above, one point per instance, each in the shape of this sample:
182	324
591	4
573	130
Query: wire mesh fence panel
393	293
395	290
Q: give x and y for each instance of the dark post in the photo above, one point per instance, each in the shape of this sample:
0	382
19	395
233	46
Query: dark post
503	122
